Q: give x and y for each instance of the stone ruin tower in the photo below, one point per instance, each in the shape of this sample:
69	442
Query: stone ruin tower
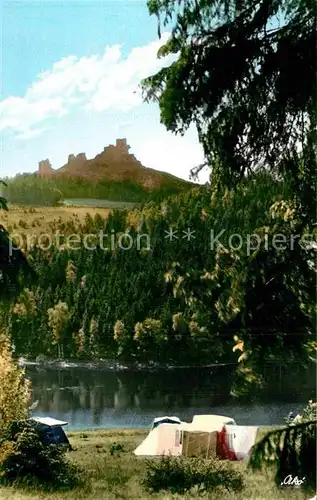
122	146
45	169
119	153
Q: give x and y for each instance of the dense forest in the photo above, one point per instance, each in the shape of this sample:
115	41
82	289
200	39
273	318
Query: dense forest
148	295
195	298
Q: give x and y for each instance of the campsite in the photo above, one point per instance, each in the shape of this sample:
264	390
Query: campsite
207	436
118	475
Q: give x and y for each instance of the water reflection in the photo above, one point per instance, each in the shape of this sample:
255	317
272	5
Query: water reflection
96	398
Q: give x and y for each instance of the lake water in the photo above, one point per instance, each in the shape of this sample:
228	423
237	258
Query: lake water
96	203
88	398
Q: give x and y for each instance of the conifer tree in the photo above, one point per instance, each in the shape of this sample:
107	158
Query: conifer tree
12	262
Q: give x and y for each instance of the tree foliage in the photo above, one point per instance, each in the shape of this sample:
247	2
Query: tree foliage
3	201
183	302
24	459
14	388
244	74
291	451
13	264
58	317
31	189
238	76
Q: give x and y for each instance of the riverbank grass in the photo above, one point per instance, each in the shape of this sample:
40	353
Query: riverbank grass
113	472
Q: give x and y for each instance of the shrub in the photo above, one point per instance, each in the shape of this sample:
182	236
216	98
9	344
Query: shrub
180	474
23	224
14	387
116	448
308	414
24	459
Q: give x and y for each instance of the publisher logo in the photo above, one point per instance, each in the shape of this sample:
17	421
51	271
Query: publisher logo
292	481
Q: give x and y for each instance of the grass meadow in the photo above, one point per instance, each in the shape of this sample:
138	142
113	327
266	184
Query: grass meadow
119	476
45	220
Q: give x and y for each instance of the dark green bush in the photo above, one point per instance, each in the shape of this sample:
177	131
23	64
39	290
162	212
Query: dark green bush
180	474
116	448
24	459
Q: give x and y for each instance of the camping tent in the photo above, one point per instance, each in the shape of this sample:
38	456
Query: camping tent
51	431
198	438
162	440
206	435
171	439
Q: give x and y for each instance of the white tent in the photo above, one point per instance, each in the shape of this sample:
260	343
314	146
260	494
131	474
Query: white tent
167	438
163	440
206	435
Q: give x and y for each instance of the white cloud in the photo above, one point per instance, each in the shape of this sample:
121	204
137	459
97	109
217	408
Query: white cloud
101	92
119	88
98	83
20	114
30	134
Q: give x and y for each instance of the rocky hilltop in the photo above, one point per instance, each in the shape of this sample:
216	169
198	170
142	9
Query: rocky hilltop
115	163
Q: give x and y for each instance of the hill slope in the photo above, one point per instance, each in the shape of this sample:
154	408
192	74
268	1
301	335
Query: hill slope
113	175
115	163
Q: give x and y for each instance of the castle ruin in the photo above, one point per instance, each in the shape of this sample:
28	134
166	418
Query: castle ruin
45	168
118	153
76	160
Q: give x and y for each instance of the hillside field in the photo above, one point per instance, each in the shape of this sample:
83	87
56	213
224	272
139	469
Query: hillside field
42	220
33	190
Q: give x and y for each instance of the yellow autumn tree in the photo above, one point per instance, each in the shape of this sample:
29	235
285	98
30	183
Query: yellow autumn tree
14	387
71	272
58	317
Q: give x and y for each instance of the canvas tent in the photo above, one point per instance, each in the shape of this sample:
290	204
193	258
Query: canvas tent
169	439
206	436
170	436
164	439
51	431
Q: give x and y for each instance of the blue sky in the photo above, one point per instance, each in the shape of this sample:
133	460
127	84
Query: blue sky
70	72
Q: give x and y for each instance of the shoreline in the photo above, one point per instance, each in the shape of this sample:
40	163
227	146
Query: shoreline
142	430
116	366
111	365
